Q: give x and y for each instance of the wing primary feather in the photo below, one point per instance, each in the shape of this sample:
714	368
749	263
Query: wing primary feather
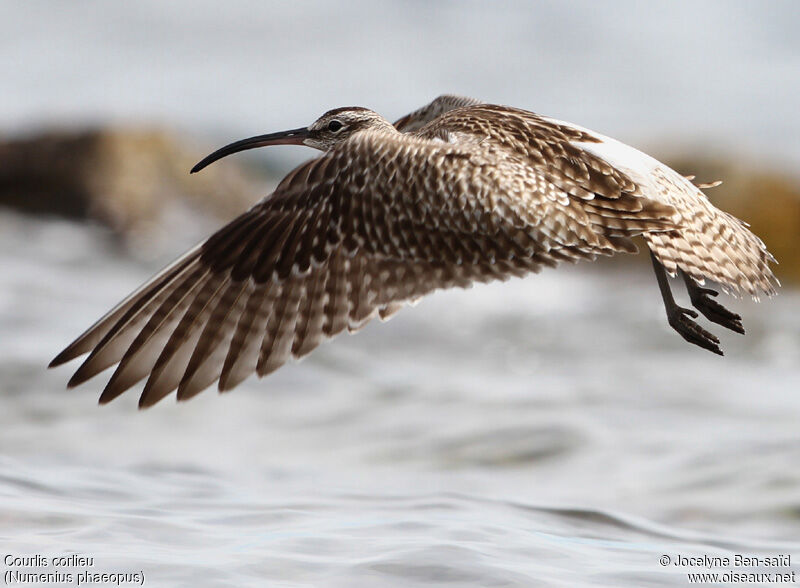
139	359
113	346
242	357
308	329
277	344
95	334
208	356
171	363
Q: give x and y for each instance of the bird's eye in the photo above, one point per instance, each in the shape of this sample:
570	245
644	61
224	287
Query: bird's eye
335	126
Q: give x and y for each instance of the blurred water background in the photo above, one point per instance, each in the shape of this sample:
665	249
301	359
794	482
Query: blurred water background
544	432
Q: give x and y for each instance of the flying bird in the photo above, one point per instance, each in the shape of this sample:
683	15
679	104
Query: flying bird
454	193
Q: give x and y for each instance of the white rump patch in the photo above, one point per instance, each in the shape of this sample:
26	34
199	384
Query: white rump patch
636	164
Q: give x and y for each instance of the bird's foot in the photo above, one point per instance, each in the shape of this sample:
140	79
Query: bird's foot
679	320
713	310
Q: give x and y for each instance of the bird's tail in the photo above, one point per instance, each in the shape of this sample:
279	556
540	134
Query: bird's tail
712	244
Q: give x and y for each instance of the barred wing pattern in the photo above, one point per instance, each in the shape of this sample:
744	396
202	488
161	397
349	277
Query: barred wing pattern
376	222
710	244
706	243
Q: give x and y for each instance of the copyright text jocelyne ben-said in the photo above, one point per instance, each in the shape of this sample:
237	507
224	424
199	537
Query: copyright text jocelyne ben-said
74	570
733	569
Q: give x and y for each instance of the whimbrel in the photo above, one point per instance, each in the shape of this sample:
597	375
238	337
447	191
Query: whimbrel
454	193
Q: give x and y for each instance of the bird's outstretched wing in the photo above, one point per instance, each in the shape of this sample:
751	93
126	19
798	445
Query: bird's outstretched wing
378	221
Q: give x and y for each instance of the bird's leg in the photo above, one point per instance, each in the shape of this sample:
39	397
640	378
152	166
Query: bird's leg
677	316
711	309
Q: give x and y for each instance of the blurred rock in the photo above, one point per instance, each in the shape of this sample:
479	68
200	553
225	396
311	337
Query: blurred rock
124	178
768	200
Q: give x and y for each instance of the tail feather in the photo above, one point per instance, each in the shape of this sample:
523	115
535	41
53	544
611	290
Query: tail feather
712	244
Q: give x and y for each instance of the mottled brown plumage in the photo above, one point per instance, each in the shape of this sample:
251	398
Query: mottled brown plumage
470	192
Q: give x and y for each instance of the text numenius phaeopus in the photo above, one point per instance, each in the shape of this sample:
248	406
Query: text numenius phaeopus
454	193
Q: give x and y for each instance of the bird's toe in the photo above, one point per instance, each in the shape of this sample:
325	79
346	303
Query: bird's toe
691	331
716	313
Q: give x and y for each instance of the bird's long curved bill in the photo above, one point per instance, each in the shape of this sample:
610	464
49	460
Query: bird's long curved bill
293	137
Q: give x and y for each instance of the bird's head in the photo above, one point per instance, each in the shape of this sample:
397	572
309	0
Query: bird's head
329	130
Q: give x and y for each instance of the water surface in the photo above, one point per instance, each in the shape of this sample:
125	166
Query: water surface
548	431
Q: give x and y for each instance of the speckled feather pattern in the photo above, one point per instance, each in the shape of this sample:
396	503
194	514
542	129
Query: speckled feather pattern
475	193
710	243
